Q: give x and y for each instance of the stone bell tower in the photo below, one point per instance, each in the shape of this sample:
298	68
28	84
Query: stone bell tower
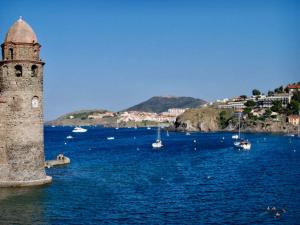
21	109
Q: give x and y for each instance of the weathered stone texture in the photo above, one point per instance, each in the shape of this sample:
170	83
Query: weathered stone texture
21	115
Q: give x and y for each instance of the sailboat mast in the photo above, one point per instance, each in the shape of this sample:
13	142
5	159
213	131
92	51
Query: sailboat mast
158	133
239	125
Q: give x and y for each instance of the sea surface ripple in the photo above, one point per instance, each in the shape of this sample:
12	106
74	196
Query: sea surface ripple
125	181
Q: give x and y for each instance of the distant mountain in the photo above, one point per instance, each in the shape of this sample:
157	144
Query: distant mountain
160	104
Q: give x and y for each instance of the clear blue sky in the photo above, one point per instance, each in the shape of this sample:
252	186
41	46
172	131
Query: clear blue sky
113	54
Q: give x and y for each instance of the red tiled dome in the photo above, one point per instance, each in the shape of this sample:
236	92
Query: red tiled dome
20	32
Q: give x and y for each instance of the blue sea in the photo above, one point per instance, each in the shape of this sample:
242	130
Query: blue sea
196	179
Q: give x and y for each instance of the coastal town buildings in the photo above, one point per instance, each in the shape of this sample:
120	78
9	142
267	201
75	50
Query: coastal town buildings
262	101
294	87
137	116
293	119
175	111
233	105
267	101
21	109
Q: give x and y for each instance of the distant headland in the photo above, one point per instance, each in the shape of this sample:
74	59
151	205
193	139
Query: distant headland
154	111
276	111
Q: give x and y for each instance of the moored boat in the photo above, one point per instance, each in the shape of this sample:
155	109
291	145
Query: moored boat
158	142
79	130
110	138
240	143
235	136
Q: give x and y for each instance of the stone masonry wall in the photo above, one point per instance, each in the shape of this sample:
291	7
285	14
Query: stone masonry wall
21	117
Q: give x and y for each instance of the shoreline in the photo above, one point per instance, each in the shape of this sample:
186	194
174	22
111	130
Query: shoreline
172	129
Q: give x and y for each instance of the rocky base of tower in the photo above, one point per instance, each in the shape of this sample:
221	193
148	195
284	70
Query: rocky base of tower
26	183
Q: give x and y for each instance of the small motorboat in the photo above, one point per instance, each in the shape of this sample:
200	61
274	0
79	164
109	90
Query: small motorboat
110	138
148	128
69	137
243	144
79	130
235	136
187	133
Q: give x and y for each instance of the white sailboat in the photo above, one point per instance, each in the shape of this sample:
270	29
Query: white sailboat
240	143
79	130
157	143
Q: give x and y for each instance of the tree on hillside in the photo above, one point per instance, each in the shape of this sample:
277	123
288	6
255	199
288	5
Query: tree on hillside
279	90
286	90
247	111
243	97
256	92
268	113
296	96
250	104
224	117
270	93
293	107
277	107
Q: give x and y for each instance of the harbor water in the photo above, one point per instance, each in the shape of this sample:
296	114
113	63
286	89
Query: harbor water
194	179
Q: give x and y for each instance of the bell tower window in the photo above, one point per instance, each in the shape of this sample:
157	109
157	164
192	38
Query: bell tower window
35	102
34	70
11	53
18	70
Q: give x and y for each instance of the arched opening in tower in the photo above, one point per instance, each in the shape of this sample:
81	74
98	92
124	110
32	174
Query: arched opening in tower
34	70
18	70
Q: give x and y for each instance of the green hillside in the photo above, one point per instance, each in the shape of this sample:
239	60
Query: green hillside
161	104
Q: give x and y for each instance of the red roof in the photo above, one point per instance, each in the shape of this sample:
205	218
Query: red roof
294	86
293	117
